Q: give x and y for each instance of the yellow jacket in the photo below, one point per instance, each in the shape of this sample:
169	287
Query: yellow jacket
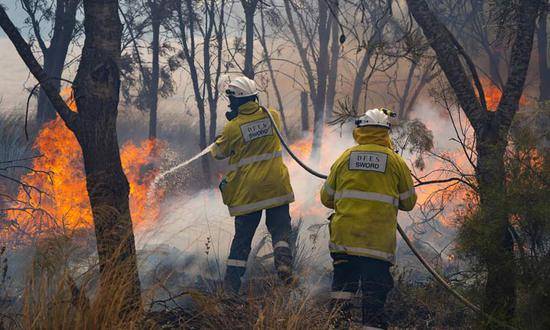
257	178
366	187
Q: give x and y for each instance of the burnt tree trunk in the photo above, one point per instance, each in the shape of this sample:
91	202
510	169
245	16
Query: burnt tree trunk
155	73
96	90
491	131
56	53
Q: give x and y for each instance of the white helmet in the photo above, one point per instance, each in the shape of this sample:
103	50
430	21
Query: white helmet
376	117
241	87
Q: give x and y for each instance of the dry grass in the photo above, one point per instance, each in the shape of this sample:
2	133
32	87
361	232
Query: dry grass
62	292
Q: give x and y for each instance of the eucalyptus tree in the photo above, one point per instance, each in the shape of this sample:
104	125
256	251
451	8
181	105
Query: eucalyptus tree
96	90
491	127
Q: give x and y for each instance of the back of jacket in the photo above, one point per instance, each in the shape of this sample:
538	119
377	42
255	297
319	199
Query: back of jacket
366	187
257	178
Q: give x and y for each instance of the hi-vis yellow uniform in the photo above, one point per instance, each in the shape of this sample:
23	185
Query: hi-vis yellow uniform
257	179
366	187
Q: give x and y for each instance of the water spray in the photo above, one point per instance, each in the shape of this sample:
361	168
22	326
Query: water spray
162	175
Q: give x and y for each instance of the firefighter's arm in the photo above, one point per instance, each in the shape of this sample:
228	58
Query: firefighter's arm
222	146
407	194
329	188
327	194
277	118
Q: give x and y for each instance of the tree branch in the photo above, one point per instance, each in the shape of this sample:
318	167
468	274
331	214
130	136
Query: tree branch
519	62
441	41
69	117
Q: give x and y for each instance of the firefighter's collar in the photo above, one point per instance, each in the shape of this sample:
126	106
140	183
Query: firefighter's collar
372	135
249	108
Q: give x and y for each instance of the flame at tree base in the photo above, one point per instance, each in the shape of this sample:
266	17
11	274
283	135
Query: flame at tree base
55	196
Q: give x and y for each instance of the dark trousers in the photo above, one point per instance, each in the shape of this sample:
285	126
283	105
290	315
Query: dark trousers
376	282
278	225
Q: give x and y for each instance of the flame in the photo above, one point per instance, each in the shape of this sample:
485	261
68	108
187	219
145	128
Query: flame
302	148
493	95
59	201
306	204
139	163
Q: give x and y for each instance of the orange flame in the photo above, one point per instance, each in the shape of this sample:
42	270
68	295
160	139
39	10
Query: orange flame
493	95
60	202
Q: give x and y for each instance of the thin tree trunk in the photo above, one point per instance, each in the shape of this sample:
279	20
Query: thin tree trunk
426	78
406	90
333	70
189	52
249	7
211	84
44	110
267	59
155	72
359	79
494	59
56	53
305	111
319	102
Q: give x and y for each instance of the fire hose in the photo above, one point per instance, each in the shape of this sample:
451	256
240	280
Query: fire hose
420	258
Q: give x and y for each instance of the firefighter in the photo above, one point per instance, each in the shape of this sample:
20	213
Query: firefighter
257	180
366	187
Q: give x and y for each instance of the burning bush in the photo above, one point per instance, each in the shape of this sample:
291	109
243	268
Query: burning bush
58	201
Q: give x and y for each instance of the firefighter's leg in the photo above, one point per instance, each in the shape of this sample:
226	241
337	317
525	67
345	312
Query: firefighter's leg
376	283
278	224
345	283
245	227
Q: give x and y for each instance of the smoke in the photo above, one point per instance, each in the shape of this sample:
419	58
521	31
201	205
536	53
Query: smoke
190	240
198	226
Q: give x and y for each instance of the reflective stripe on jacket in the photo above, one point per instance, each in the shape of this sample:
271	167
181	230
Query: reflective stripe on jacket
257	178
366	187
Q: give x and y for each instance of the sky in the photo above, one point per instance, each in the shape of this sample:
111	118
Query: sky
13	72
14	11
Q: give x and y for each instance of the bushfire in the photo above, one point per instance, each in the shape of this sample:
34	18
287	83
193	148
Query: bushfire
56	197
